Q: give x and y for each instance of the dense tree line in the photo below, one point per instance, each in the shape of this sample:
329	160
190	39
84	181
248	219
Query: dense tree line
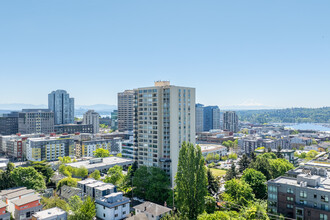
289	115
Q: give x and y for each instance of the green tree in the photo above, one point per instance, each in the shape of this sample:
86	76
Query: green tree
96	175
6	180
257	181
253	156
87	211
243	163
68	181
28	177
268	155
191	181
231	174
54	201
209	157
213	185
65	159
280	166
115	175
217	157
81	172
100	152
255	210
262	164
210	204
119	155
151	183
311	154
43	168
232	156
238	192
75	203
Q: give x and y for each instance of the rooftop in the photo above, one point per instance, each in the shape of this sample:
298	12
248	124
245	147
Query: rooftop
8	191
27	199
211	147
49	213
107	161
152	208
20	193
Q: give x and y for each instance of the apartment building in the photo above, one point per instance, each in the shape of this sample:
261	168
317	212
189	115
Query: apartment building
49	148
62	105
73	128
230	121
125	110
36	121
304	195
92	118
199	115
113	206
88	147
96	189
164	118
9	123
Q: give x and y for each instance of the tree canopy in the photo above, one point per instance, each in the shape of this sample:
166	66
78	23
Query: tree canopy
100	152
257	181
28	177
191	181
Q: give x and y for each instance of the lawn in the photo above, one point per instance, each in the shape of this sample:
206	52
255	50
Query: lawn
217	172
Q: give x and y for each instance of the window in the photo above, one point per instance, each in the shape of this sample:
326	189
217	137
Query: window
299	212
289	190
103	214
324	198
272	196
272	203
303	202
289	206
116	215
116	208
324	207
289	198
124	212
323	217
272	189
124	205
315	196
303	194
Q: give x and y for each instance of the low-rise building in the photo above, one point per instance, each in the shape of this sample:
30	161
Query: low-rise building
96	189
50	214
287	154
151	210
22	203
213	149
102	164
4	215
113	206
73	128
66	192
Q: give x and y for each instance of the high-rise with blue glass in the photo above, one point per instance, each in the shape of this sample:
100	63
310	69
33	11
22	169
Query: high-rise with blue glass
62	105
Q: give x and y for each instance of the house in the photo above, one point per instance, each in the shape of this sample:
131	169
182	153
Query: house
95	188
22	203
114	206
4	215
151	210
66	192
50	214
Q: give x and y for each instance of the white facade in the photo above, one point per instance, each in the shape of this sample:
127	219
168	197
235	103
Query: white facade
164	119
92	118
114	206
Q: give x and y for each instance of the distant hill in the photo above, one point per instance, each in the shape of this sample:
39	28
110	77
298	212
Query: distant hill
289	115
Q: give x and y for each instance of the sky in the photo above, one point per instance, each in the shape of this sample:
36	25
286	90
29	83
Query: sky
253	53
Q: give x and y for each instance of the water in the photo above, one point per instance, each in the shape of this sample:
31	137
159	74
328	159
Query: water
308	126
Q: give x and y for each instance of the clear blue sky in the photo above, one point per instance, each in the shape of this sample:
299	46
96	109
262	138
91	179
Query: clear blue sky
273	53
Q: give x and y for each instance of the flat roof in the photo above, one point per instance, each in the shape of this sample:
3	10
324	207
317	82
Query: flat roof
211	147
107	161
19	193
87	181
324	184
27	199
49	213
106	186
8	191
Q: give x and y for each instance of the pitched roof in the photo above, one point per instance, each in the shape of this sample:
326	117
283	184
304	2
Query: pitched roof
19	193
152	208
140	216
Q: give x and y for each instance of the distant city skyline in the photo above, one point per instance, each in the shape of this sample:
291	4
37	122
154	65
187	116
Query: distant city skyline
237	54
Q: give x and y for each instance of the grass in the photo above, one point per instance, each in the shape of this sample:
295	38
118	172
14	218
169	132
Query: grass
217	172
